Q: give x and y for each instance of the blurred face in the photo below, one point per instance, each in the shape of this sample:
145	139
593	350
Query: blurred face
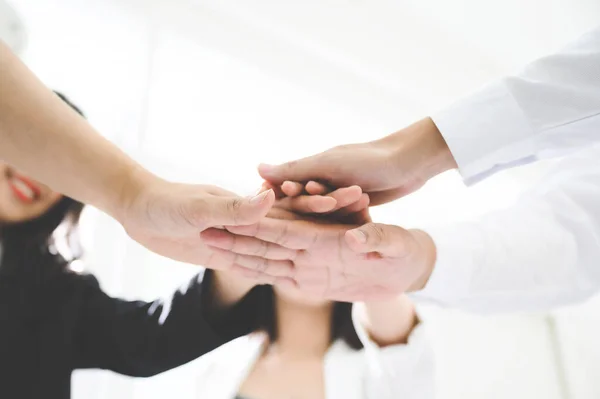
21	198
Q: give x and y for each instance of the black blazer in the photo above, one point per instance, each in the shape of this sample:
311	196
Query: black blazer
53	321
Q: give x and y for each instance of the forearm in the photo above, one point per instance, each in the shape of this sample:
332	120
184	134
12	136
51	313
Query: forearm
388	322
227	290
139	338
424	146
43	137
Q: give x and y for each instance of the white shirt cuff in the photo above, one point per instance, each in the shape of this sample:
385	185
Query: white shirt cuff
455	266
486	132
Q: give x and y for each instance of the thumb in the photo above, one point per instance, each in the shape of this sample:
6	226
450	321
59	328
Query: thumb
388	240
301	170
237	211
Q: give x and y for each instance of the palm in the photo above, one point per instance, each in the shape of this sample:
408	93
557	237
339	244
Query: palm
331	269
326	266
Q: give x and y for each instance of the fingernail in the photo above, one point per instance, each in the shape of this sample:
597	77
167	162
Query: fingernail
360	236
257	199
265	168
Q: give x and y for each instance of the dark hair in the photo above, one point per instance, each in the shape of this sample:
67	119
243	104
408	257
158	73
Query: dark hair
260	303
35	238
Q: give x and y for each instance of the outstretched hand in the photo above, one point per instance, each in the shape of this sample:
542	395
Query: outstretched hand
167	218
385	169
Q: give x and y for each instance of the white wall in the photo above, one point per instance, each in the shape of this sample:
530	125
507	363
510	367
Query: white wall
203	91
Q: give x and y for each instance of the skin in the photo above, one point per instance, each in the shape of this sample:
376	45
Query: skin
367	260
294	363
385	169
21	198
325	262
44	138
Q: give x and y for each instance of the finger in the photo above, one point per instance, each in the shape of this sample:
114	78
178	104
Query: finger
292	189
233	211
387	240
301	170
316	188
261	278
323	203
296	234
244	245
275	268
346	196
281	212
361	205
308	204
252	275
268	186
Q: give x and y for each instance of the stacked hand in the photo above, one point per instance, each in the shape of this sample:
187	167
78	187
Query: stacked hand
316	238
326	255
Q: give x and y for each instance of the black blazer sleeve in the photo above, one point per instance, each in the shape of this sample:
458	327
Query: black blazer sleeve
142	339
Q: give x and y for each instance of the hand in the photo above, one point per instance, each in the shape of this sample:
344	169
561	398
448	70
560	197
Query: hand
331	262
167	218
385	169
348	205
388	240
268	263
232	283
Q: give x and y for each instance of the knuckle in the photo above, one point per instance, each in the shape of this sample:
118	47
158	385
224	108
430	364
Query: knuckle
195	213
282	236
264	249
233	209
288	166
376	233
263	265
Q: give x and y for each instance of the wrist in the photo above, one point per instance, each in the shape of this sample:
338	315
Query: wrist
130	191
389	322
425	258
422	146
228	289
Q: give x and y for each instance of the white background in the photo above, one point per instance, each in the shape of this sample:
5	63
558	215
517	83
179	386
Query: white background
202	91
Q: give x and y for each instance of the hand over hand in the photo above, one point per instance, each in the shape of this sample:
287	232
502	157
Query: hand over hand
167	218
328	260
385	169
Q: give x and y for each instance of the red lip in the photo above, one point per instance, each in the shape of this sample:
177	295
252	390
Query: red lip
25	180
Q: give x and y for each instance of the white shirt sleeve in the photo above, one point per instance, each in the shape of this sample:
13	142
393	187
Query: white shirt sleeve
542	252
397	371
550	108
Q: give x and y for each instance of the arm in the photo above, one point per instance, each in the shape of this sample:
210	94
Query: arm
551	107
45	138
142	339
34	121
540	253
399	361
388	322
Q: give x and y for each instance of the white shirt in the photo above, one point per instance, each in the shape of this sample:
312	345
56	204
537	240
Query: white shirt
398	371
550	108
545	250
